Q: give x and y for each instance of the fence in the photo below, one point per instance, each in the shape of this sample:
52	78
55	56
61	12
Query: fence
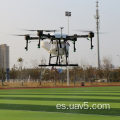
55	84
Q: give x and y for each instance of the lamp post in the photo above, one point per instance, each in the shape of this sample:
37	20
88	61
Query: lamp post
94	59
68	14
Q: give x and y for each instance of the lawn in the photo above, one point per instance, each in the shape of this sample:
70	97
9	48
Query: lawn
36	104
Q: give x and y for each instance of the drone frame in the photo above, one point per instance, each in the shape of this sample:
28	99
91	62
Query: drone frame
72	38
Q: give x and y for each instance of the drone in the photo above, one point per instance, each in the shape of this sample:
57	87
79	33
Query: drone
58	45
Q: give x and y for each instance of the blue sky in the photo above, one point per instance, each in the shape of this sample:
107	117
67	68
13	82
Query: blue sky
50	14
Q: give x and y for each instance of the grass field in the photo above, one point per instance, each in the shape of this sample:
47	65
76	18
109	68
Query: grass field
40	104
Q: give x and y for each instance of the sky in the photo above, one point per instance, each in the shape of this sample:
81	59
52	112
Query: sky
16	15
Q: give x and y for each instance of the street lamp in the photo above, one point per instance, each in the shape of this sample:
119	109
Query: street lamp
68	14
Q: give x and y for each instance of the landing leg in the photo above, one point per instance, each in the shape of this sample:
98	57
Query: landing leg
50	59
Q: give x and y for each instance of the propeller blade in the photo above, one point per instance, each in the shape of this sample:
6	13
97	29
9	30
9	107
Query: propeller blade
84	30
40	30
88	31
50	30
27	30
31	30
22	35
18	35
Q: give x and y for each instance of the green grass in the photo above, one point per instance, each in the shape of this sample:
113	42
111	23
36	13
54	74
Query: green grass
36	104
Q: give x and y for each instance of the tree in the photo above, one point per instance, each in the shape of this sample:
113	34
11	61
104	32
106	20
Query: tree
20	61
107	66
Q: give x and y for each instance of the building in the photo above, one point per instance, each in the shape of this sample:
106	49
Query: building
4	56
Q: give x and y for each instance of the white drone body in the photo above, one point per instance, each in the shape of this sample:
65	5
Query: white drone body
53	48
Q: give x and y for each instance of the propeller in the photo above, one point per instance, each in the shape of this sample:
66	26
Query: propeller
27	37
40	32
90	35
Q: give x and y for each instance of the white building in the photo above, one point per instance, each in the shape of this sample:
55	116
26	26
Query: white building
4	56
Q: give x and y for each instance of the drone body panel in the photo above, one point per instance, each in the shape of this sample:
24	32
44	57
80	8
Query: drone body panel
59	35
53	49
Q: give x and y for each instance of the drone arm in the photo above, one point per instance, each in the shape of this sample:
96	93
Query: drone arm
34	38
74	39
91	35
31	38
82	36
76	36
